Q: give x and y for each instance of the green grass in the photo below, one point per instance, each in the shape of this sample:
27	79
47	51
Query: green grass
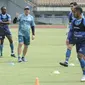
44	55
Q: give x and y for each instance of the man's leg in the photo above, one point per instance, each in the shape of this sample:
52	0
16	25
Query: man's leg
26	43
19	51
82	63
2	41
9	37
21	41
1	44
68	54
24	53
81	57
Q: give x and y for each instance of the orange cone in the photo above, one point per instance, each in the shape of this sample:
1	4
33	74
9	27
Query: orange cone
37	81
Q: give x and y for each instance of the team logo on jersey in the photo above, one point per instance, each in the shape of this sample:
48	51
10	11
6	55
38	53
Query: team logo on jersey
0	36
80	50
77	22
76	28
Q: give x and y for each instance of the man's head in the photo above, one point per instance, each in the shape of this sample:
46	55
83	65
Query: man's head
77	12
3	10
26	10
73	5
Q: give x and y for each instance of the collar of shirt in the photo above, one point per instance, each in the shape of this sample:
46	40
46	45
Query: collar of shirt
78	21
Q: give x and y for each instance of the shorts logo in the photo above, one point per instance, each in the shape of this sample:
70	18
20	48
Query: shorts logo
0	36
80	50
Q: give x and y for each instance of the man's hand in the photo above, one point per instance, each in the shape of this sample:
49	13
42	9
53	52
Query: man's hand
8	22
67	42
33	37
17	14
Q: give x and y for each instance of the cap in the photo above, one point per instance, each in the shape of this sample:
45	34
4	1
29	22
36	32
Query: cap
3	7
27	7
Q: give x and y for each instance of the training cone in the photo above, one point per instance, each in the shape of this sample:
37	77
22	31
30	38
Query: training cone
37	81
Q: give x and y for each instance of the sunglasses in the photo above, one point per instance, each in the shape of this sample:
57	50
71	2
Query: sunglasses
26	9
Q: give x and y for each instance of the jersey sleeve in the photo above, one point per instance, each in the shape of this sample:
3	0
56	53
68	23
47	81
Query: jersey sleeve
0	19
70	17
70	33
84	21
83	15
9	17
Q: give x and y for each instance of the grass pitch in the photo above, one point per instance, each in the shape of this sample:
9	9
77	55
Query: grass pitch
44	55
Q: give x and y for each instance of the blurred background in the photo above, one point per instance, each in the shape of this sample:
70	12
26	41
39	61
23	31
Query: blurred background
51	12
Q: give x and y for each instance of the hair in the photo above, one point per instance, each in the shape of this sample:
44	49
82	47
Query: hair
74	3
3	7
78	8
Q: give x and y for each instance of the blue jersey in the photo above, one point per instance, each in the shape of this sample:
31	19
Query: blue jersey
4	29
25	23
5	18
71	17
77	29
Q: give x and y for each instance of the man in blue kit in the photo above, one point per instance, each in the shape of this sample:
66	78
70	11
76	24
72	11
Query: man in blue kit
5	20
2	36
77	36
69	42
26	21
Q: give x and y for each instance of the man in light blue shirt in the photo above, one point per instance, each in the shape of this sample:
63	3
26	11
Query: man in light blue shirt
26	21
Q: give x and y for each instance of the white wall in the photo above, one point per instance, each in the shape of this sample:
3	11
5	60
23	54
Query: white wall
16	6
3	3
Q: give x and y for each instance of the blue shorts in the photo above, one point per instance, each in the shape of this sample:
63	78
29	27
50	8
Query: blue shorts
24	39
80	48
7	31
2	34
72	41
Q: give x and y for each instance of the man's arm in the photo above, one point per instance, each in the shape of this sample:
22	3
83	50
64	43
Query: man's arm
9	20
0	19
17	18
33	32
33	29
70	32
